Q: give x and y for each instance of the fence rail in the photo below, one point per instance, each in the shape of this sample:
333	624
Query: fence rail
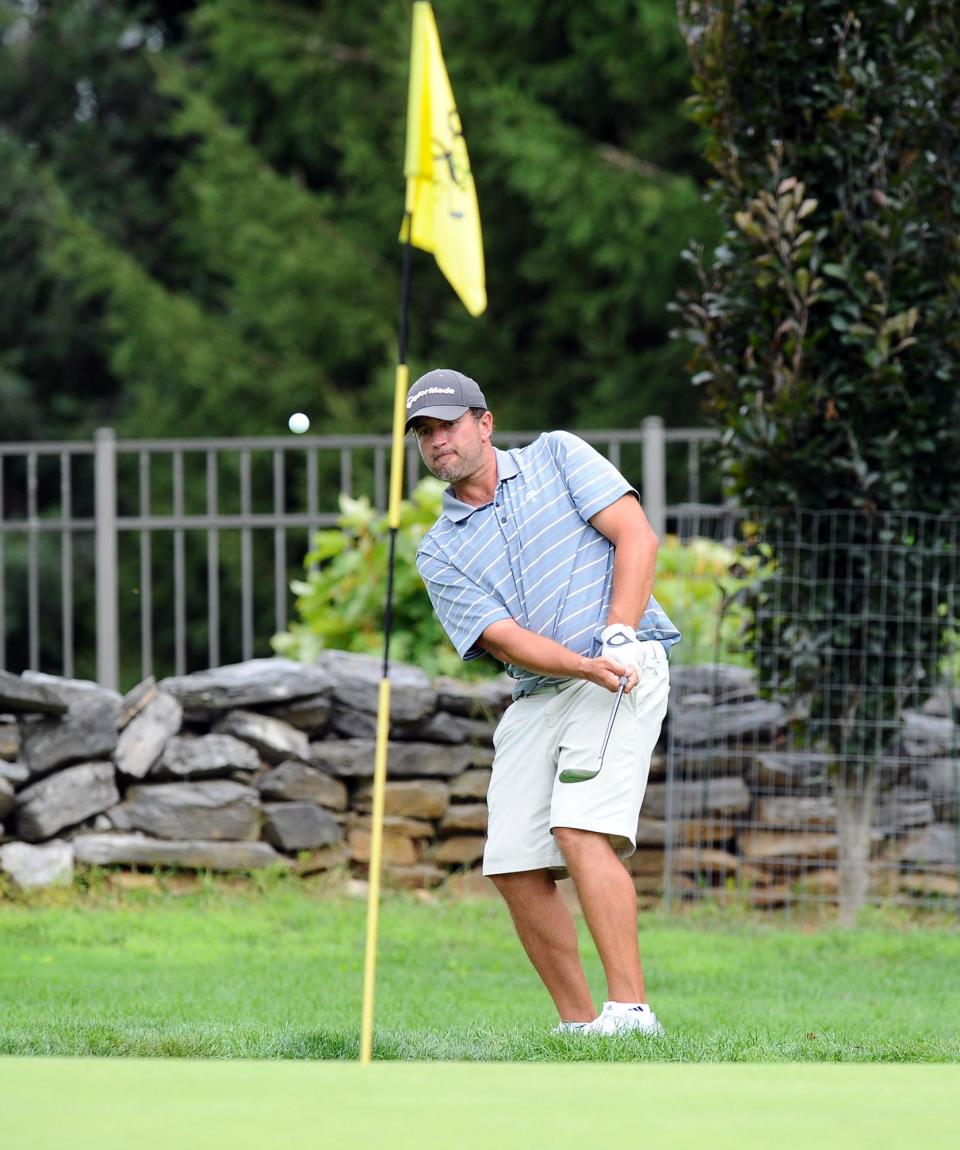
124	558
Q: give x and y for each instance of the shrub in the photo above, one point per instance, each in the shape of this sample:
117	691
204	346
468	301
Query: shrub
342	599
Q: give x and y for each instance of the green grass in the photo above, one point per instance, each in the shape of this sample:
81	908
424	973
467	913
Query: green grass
149	1105
227	972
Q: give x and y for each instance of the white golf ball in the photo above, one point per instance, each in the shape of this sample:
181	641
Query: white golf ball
298	423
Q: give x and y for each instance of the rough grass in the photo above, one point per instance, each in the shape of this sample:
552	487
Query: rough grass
274	972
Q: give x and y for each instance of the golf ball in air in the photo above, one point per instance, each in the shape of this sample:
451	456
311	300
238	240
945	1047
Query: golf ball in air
298	423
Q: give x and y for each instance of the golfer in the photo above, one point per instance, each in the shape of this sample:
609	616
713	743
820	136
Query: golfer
543	558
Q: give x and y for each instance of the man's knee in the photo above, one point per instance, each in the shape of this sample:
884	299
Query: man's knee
521	882
575	842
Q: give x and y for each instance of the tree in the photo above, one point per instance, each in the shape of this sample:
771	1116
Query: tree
826	334
237	165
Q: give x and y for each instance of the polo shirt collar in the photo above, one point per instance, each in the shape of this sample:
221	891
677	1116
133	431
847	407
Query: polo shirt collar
456	510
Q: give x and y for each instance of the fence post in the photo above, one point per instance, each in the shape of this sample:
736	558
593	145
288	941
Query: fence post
655	473
105	512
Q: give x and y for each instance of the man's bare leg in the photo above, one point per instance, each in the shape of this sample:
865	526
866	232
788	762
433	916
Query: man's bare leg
609	902
549	935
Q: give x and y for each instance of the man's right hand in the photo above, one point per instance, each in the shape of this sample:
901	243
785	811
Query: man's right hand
607	673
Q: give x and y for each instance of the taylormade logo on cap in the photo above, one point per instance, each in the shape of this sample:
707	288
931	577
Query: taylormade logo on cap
412	399
443	394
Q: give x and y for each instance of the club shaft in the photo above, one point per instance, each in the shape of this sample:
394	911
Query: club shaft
613	715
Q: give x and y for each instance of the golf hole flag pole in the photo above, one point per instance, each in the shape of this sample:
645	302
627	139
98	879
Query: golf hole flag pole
440	216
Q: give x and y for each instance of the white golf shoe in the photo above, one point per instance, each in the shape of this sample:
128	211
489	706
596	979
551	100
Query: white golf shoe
623	1018
571	1028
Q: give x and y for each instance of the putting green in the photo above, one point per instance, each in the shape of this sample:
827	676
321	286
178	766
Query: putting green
131	1104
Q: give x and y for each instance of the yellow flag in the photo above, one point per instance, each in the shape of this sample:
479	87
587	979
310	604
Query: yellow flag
441	199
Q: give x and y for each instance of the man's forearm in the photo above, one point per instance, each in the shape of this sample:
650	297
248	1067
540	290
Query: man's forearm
511	643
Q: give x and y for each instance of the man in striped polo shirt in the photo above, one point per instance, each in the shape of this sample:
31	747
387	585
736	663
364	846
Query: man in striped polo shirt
543	558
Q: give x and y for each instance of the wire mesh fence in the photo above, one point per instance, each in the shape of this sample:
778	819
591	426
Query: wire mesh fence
827	771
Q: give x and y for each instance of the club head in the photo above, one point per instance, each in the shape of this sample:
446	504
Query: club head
577	775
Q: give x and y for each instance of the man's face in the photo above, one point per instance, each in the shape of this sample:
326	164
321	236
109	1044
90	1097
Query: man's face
453	450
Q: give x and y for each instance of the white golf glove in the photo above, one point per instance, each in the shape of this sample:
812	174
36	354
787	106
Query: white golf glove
620	643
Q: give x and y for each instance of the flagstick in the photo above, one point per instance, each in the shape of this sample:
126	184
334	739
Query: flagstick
383	706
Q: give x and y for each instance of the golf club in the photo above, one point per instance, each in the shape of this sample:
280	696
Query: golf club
578	774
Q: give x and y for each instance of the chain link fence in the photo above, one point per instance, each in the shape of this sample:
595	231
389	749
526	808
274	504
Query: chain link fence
827	772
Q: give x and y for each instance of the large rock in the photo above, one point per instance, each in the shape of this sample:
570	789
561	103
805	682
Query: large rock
87	731
206	756
791	771
397	850
797	811
136	700
9	742
354	758
719	682
934	848
486	700
274	739
218	809
699	762
66	798
295	781
142	741
50	864
788	850
760	721
7	798
15	773
943	780
902	809
356	685
311	715
460	850
438	727
418	799
472	784
465	817
256	683
394	825
300	826
706	797
929	735
139	850
20	695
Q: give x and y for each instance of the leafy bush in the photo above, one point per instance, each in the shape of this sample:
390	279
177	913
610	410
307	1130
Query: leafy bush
700	584
342	599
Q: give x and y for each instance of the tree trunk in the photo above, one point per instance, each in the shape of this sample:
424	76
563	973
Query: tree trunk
854	796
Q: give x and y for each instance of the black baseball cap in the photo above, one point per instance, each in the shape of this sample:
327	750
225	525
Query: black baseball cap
443	394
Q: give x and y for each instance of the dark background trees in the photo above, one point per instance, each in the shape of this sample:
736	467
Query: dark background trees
200	207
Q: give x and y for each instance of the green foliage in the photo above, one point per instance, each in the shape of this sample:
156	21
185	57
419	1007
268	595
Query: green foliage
215	969
202	205
342	600
826	330
702	585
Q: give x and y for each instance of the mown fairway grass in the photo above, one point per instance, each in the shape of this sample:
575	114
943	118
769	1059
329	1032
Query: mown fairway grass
226	972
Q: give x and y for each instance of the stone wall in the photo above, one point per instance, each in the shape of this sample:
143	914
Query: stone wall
270	763
252	765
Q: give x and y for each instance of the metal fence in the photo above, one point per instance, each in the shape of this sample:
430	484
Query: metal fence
822	767
124	558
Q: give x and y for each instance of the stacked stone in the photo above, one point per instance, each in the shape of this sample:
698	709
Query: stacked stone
264	763
744	806
270	762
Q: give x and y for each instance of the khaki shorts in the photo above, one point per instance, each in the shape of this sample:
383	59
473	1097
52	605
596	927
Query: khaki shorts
560	727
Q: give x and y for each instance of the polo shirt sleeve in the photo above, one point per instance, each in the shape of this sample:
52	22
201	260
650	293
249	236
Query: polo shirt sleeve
593	482
465	611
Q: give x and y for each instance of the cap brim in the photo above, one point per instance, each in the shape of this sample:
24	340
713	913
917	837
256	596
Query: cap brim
448	413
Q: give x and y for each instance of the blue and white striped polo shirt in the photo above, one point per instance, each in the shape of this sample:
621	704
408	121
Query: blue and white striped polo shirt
531	555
